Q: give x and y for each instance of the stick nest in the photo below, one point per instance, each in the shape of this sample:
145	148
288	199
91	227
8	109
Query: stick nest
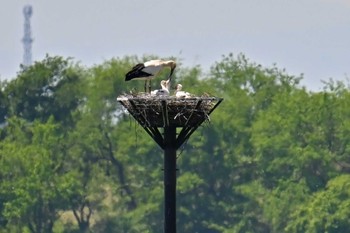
161	111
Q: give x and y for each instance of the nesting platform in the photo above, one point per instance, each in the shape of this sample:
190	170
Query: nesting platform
179	118
153	112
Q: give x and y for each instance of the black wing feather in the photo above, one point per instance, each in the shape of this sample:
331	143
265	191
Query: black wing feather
136	72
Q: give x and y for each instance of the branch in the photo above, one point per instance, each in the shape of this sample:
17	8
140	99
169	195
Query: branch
120	170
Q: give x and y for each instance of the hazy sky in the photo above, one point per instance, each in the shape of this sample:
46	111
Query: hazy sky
303	36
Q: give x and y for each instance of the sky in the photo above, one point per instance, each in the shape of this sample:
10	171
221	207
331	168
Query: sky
310	37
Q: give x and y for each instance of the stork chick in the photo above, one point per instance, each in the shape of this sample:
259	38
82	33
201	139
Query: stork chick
165	88
181	94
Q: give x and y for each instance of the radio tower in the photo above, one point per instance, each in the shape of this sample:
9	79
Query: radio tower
27	39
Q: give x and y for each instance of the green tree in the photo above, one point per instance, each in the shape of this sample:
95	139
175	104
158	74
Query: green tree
51	87
3	103
274	159
35	187
221	157
325	211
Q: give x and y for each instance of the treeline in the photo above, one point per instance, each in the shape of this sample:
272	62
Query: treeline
274	158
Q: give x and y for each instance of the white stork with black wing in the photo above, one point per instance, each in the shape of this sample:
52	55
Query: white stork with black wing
148	70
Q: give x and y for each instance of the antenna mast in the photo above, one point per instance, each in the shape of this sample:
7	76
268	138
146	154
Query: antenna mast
27	38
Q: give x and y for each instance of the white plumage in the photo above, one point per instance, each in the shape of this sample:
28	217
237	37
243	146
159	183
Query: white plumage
181	94
165	88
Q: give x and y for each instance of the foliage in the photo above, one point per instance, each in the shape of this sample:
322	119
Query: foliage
51	87
34	187
275	157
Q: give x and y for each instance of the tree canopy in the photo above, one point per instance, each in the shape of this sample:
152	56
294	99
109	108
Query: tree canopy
274	157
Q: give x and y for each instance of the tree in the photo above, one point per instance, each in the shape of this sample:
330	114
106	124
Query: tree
3	103
325	211
51	87
274	159
35	186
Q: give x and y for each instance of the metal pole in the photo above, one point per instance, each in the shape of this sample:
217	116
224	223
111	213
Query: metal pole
170	179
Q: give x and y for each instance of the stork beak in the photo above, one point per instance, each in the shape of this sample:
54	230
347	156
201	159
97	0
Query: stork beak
172	71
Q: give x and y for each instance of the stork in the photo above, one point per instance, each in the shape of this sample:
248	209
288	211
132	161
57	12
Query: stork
148	70
181	94
165	84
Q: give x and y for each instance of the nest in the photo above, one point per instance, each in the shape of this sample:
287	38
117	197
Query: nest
162	111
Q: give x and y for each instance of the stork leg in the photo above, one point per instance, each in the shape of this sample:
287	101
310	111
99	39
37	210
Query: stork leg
146	85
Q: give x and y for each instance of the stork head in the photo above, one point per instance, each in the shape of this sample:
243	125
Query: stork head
178	87
163	84
167	84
